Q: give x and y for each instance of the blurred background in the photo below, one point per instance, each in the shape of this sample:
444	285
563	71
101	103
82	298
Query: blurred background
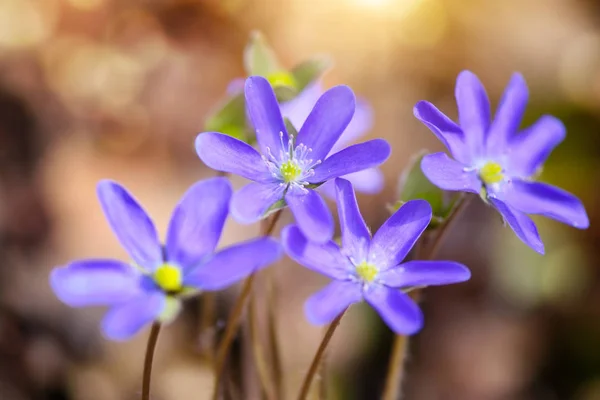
93	89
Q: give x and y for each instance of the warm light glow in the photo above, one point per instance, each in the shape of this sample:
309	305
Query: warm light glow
86	5
25	23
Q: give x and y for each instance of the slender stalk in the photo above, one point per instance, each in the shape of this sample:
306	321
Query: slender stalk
265	379
323	376
393	383
152	339
314	366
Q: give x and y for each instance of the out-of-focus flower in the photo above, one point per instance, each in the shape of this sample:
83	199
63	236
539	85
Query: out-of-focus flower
152	287
289	167
493	159
371	268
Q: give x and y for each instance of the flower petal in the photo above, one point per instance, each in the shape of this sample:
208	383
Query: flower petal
354	158
473	110
323	306
425	273
448	174
530	148
298	109
250	203
355	234
369	181
398	234
521	224
125	320
95	283
547	200
509	114
398	310
197	222
446	130
131	224
265	115
327	120
361	123
312	215
325	258
225	153
234	263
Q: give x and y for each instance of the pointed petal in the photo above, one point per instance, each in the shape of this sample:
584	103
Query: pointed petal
312	215
361	123
95	283
521	224
323	306
225	153
547	200
235	263
354	158
250	203
398	310
265	115
530	148
125	320
131	224
448	174
355	234
325	258
473	110
425	273
327	120
197	222
398	234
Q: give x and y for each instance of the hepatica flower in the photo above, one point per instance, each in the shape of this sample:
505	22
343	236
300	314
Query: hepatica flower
371	268
152	286
498	161
288	168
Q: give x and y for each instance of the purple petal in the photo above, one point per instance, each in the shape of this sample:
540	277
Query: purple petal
547	200
425	273
95	283
298	109
446	130
473	110
236	86
327	120
323	306
509	114
197	222
312	215
530	149
521	224
398	234
361	123
250	203
125	320
448	174
354	158
325	258
355	234
130	223
369	181
225	153
234	263
265	115
398	310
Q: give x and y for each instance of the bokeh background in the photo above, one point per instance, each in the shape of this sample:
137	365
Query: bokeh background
93	89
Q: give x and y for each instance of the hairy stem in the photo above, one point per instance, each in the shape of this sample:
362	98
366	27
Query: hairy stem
266	381
152	339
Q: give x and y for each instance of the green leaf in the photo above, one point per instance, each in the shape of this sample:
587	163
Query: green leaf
284	93
259	57
229	118
310	71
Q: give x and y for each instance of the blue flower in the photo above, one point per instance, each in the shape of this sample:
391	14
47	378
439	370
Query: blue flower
371	268
288	168
151	288
496	160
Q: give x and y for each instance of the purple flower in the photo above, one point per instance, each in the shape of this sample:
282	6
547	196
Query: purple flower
297	110
152	286
371	268
288	168
493	159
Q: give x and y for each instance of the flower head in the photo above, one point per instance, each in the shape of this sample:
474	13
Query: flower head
496	160
371	268
151	287
288	167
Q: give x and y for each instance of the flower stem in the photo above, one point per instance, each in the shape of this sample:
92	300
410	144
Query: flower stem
152	339
314	366
266	381
395	373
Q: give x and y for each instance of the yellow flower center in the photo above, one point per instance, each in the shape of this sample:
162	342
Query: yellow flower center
367	271
281	78
168	277
290	171
490	173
